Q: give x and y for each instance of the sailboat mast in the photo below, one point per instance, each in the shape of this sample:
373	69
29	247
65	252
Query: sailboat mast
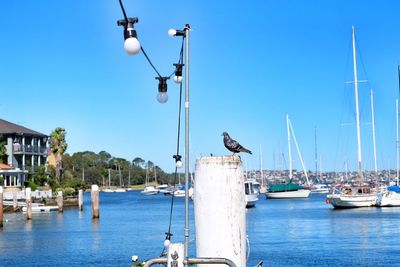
316	150
397	140
360	175
373	132
289	148
261	167
109	177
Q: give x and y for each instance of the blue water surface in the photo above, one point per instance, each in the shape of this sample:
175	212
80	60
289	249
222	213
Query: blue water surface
304	232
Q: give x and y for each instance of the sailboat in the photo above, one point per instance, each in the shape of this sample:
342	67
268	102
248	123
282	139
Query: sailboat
262	189
149	189
290	189
359	195
391	197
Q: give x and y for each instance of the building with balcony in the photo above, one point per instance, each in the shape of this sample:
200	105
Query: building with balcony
26	149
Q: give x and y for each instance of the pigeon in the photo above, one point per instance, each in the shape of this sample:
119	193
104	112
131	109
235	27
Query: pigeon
233	145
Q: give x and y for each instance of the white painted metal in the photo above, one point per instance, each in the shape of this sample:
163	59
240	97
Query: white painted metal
289	147
373	132
357	109
219	209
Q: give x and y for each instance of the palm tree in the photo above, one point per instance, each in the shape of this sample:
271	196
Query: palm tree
58	147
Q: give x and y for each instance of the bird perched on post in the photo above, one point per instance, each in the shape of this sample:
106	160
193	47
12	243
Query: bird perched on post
233	145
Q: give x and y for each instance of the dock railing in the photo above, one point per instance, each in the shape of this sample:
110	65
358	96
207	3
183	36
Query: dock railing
191	261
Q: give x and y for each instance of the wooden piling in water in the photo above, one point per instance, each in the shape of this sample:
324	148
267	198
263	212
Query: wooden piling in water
60	201
220	209
1	207
95	202
15	203
28	203
80	199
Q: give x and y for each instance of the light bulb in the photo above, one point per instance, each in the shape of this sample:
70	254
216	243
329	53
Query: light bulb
167	243
162	97
132	46
172	32
178	164
178	79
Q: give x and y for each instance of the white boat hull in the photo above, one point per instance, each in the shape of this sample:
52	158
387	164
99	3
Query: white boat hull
39	209
251	200
149	190
388	199
351	201
302	193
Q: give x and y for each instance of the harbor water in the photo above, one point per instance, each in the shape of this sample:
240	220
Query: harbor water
303	232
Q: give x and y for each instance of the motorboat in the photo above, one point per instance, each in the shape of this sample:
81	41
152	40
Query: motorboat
251	193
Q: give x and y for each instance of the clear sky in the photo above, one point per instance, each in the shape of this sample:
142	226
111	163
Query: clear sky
62	64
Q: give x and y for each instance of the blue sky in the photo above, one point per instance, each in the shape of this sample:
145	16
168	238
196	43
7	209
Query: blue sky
63	65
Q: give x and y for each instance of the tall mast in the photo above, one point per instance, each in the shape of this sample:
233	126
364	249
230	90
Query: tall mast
261	166
316	150
360	175
397	140
373	132
289	148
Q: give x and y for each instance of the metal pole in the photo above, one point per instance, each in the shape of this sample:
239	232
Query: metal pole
360	174
186	252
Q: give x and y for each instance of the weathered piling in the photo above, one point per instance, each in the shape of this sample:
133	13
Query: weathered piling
95	202
15	202
80	199
28	203
60	201
219	209
1	207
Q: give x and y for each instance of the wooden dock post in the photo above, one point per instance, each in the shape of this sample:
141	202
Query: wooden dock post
28	203
80	199
95	202
15	202
60	201
1	207
220	209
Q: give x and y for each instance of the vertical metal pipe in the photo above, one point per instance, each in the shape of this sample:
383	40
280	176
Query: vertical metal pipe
186	252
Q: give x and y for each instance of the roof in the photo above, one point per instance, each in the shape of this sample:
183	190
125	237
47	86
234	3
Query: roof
7	127
5	167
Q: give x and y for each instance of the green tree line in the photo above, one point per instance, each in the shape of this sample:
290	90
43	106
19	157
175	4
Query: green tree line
102	168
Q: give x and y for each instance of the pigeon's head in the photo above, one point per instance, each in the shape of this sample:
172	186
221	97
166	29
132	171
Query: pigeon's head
224	134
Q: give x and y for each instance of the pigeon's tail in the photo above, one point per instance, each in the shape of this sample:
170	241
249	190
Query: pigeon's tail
246	150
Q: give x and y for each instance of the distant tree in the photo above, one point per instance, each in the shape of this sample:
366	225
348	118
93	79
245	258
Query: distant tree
138	162
58	146
3	151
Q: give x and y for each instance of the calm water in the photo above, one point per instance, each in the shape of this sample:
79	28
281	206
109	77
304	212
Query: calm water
281	232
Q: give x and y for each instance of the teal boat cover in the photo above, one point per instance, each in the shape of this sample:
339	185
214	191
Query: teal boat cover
284	187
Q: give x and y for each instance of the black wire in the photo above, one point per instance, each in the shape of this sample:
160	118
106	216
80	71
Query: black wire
123	10
177	149
148	59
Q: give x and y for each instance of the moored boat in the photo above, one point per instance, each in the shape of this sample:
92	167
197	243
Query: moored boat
251	193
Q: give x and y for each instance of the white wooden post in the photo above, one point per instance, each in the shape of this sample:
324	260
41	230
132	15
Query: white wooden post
219	209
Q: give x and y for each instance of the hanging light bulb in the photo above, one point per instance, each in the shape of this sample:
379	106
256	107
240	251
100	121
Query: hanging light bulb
162	95
178	73
178	161
131	45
